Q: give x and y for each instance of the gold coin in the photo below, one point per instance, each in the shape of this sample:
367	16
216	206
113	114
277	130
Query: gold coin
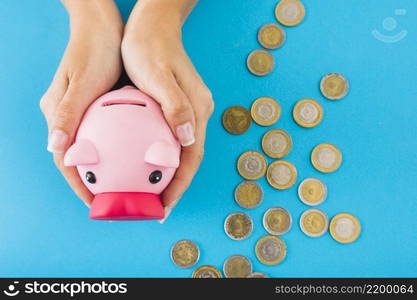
185	253
251	165
312	191
237	266
265	111
326	158
277	221
334	86
307	113
248	194
289	12
260	62
236	119
257	275
314	222
345	228
270	250
271	36
238	226
206	272
276	143
281	174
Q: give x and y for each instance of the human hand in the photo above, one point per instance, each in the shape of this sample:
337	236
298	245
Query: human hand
155	60
91	65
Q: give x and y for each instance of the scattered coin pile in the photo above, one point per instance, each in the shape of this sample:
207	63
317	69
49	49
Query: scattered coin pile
280	174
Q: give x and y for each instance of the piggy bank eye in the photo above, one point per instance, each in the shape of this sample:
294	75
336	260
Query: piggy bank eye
90	177
155	177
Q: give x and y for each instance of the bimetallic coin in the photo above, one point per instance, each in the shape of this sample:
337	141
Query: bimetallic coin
312	191
334	86
276	143
270	250
260	62
206	272
251	165
265	111
307	113
345	228
289	12
248	194
281	174
185	253
277	221
238	226
237	266
314	222
236	119
257	275
326	158
271	36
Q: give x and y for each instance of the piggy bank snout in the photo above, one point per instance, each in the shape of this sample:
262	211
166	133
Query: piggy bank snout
126	206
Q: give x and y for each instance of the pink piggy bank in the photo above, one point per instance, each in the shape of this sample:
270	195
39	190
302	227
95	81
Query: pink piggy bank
126	155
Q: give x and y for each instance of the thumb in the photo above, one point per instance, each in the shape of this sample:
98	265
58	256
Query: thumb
175	105
67	118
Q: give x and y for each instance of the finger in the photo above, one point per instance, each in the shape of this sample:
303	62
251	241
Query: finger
52	97
73	178
67	117
178	112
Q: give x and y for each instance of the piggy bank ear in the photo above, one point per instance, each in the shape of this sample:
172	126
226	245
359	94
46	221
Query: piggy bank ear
163	154
82	152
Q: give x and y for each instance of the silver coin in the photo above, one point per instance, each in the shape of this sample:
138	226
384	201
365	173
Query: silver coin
237	266
277	221
314	222
238	226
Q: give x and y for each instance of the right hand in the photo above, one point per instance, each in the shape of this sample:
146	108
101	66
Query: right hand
89	68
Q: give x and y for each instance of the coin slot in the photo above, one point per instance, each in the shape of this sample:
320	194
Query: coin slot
123	102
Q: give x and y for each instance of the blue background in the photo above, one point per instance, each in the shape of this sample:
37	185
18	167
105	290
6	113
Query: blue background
44	229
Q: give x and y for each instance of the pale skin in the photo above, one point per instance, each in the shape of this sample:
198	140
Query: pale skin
150	49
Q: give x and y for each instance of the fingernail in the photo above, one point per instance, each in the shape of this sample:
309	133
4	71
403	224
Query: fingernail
168	209
185	134
57	141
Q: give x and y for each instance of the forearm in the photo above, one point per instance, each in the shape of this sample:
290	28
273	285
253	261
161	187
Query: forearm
85	14
166	12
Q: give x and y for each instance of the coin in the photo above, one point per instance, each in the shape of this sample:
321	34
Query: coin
236	119
276	143
237	266
265	111
270	250
185	253
251	165
289	12
307	113
260	62
334	86
281	174
257	275
345	228
271	36
314	222
248	194
206	272
312	191
238	226
277	221
326	158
